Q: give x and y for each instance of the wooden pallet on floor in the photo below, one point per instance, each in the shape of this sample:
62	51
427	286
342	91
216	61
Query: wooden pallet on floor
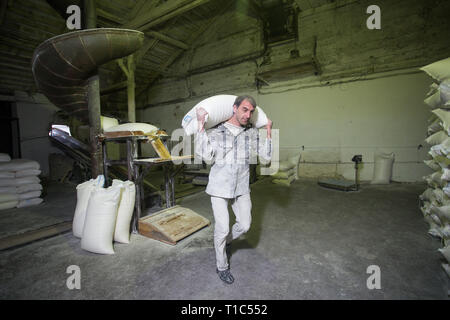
34	235
172	224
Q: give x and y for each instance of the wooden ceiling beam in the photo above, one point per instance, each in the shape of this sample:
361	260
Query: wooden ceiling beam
6	66
169	40
141	6
150	12
18	61
114	88
193	39
150	16
109	16
148	43
162	70
17	83
163	13
303	5
17	44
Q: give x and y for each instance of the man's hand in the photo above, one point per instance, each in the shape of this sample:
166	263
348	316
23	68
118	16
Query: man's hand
269	128
201	116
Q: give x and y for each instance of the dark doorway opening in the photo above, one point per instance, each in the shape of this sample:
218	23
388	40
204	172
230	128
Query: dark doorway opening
9	130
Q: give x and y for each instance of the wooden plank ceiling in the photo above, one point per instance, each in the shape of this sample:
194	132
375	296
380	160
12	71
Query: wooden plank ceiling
170	26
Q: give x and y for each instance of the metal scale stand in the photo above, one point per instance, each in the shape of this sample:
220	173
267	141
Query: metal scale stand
344	185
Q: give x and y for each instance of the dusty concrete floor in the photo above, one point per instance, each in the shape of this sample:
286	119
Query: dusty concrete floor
58	206
306	242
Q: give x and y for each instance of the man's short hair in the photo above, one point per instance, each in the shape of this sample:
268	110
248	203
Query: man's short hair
240	99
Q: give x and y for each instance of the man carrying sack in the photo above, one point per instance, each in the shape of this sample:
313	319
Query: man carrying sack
231	146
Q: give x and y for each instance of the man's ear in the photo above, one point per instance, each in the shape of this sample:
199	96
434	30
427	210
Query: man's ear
234	108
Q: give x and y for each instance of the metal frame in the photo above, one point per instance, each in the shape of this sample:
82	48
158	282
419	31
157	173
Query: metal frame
137	174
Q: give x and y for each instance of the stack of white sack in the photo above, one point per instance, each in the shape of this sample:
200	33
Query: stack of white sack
220	109
19	183
103	215
285	170
435	201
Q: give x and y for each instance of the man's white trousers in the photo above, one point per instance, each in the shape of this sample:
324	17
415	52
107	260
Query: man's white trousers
242	207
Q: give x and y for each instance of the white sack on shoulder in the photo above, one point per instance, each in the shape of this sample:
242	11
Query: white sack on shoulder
125	210
220	109
101	215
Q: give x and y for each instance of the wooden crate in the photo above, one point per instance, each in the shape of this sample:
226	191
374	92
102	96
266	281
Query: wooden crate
172	224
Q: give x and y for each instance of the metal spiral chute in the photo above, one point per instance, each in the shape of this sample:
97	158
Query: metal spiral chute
63	64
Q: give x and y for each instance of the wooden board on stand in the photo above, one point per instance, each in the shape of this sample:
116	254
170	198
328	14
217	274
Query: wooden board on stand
172	224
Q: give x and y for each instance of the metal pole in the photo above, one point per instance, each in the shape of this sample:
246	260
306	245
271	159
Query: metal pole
105	165
167	186
131	90
90	15
139	195
130	158
90	22
94	125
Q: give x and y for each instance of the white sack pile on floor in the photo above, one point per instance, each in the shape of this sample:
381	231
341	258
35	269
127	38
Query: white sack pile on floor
20	185
103	215
435	201
287	165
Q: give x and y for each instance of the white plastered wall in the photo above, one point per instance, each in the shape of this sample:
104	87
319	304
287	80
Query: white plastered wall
34	120
367	98
331	124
